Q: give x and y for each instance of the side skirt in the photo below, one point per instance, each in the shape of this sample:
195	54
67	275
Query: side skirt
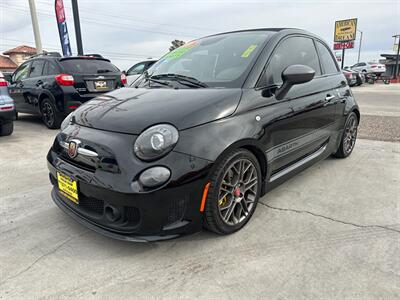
290	171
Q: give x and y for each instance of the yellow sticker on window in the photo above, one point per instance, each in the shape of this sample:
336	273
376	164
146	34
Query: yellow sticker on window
178	52
249	50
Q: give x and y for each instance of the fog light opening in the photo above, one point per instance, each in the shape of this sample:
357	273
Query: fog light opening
112	214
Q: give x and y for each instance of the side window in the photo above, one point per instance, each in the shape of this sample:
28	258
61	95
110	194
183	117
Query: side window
292	51
327	62
37	68
50	69
362	64
21	73
136	69
149	64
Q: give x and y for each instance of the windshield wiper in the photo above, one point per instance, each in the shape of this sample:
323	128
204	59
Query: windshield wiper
182	79
149	79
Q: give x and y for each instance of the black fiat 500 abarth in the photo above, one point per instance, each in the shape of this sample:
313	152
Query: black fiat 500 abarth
206	131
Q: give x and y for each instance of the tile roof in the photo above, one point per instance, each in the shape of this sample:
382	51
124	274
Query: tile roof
21	49
7	63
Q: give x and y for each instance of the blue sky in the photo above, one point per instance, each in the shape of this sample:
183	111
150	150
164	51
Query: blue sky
127	31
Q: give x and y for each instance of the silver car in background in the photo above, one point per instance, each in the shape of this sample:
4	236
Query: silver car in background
136	70
369	67
7	108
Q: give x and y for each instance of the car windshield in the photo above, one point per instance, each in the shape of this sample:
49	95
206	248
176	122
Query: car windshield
88	66
217	61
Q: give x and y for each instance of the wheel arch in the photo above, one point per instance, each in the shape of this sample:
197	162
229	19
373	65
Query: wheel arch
254	147
42	96
357	112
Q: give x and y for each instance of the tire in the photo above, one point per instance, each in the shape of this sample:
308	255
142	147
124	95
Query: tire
349	137
49	113
228	194
6	128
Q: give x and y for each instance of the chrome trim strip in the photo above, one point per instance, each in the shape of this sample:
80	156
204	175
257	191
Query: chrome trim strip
81	151
298	164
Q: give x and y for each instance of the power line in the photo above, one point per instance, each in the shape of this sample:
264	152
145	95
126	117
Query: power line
22	9
136	20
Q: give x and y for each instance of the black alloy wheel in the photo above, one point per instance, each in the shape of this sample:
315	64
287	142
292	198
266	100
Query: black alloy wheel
349	136
49	114
234	192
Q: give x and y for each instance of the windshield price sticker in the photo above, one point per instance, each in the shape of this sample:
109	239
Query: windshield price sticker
181	50
249	50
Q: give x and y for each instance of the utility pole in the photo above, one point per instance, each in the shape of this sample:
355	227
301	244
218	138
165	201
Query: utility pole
396	72
35	26
359	46
77	26
342	57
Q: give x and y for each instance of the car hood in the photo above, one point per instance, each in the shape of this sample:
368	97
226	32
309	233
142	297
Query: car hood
131	110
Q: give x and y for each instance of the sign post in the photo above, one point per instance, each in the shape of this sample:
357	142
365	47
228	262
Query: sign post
345	34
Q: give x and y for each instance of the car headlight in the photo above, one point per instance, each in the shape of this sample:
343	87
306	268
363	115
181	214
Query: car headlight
67	121
156	142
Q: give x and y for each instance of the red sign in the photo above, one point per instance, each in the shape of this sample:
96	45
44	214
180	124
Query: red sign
339	46
60	14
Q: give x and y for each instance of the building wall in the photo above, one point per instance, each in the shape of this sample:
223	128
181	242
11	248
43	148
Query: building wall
19	58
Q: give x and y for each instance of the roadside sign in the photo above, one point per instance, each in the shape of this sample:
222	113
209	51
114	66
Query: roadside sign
345	30
62	28
395	47
346	45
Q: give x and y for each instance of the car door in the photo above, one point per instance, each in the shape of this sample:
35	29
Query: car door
17	87
332	76
307	127
34	85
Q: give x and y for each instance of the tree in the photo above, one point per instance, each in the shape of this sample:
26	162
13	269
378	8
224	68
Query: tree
176	44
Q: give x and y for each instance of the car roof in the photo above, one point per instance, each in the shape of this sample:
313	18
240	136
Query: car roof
271	29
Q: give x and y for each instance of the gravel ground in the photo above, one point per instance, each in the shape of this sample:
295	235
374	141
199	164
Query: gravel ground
380	111
380	128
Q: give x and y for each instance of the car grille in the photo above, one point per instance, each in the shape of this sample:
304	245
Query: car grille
92	205
176	210
132	214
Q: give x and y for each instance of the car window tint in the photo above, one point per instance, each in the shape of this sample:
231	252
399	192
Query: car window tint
149	64
52	69
88	66
21	73
327	61
292	51
36	68
137	69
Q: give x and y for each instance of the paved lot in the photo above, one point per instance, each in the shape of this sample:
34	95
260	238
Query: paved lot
331	232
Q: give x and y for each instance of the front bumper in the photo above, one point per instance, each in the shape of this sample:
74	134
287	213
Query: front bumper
164	213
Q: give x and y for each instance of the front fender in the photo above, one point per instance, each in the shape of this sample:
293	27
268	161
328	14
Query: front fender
211	140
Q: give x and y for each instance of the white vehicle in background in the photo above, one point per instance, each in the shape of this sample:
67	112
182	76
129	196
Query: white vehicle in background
369	67
136	70
7	108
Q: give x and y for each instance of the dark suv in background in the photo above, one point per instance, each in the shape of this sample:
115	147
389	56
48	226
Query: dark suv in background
53	86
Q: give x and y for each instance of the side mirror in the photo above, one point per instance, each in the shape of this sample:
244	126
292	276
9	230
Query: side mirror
292	75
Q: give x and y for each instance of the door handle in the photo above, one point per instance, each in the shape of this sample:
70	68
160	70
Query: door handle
39	82
329	97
